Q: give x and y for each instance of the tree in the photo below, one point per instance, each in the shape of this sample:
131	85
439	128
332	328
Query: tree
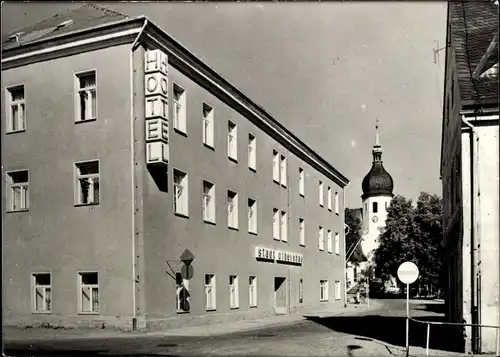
353	237
412	234
427	233
395	243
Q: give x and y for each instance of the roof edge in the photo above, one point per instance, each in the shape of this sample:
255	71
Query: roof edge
254	108
151	29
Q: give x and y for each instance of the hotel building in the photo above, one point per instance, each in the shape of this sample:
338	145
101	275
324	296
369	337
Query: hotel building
142	190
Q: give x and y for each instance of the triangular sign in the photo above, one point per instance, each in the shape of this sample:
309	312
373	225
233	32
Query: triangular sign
187	257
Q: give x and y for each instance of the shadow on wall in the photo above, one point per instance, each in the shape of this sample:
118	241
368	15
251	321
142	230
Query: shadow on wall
392	330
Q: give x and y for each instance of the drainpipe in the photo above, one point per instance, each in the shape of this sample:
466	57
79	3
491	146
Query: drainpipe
474	237
345	252
132	171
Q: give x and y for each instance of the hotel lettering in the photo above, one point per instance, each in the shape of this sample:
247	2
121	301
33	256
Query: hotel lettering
156	107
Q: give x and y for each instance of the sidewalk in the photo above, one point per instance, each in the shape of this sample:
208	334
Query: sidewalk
12	334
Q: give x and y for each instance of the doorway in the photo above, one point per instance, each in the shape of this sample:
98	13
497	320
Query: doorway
280	295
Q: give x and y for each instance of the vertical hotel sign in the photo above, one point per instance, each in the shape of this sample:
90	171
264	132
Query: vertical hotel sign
156	107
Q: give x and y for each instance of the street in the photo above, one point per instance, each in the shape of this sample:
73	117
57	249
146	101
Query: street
380	331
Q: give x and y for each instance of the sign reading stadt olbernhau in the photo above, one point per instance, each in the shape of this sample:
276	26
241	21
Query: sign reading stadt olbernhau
156	110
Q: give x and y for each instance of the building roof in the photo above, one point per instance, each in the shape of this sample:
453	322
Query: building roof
92	24
377	182
474	25
84	17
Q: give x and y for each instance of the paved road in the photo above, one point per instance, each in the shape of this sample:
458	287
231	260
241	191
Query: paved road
381	332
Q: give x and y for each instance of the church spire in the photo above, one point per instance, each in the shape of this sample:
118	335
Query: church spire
377	148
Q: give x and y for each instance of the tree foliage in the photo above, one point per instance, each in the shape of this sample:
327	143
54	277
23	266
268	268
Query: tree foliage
353	237
412	233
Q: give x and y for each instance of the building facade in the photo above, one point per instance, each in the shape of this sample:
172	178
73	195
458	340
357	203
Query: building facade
469	172
143	190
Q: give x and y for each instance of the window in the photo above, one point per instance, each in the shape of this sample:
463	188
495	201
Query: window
252	152
323	293
210	292
337	290
208	125
283	172
386	206
321	241
252	215
375	207
337	243
329	198
17	191
329	241
252	291
284	227
320	192
301	182
42	294
89	296
302	232
17	110
208	202
301	291
366	207
276	169
179	118
337	203
232	209
233	292
87	96
182	297
87	183
276	224
232	141
181	193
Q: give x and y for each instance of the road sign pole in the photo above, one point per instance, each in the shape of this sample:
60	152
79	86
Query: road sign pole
407	318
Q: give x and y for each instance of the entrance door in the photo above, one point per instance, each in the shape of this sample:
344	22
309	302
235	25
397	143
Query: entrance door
280	306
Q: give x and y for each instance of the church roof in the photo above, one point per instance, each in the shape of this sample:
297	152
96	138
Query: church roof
377	182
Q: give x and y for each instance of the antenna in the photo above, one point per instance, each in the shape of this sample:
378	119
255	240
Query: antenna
435	52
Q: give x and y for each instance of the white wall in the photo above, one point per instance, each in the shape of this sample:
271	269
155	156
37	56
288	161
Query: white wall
372	229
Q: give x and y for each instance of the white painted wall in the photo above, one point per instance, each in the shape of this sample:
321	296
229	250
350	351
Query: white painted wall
372	229
489	232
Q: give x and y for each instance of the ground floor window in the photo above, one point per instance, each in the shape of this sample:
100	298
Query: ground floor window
252	291
323	295
301	291
182	295
89	292
42	292
338	290
210	292
233	291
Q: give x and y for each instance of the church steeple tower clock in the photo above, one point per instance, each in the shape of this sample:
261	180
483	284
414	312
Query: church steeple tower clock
377	194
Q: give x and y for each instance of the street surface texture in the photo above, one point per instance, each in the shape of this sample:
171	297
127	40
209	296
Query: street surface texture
378	331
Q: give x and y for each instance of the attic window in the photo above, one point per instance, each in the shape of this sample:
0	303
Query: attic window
64	24
15	37
492	72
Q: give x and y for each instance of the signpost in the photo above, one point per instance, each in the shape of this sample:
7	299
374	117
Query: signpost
408	274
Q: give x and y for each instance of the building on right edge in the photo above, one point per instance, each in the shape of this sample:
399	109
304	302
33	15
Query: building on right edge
469	171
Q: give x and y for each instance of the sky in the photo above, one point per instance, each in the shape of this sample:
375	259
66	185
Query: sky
325	70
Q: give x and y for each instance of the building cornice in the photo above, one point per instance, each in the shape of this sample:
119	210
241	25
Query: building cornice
152	36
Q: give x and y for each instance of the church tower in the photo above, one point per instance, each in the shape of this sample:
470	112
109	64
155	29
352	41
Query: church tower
377	194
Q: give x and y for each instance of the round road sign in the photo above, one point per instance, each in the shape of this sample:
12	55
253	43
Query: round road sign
408	272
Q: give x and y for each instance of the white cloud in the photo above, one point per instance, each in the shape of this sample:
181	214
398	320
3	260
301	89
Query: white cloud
353	143
363	107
